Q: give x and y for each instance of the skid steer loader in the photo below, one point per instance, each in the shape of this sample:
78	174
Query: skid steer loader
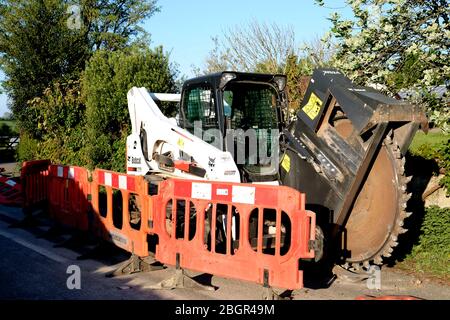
345	149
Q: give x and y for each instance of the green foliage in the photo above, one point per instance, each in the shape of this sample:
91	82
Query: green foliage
27	149
60	118
59	110
434	146
429	146
408	74
6	129
299	70
86	122
440	117
293	74
115	24
42	42
107	79
445	160
430	140
432	253
435	230
36	47
44	49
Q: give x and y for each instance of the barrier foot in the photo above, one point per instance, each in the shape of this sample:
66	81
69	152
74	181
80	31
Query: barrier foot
181	281
270	294
133	265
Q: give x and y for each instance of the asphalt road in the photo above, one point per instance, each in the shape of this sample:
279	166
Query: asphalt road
33	265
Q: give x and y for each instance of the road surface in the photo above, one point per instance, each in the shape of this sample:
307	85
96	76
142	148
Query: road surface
34	265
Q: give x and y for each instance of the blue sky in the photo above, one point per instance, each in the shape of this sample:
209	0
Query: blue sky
185	28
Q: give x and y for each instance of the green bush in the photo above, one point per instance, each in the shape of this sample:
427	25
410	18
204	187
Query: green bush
445	163
434	146
5	130
86	122
432	254
107	79
435	230
27	148
60	121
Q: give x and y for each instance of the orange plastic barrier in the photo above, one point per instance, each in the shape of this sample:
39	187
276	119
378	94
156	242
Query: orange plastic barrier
115	197
68	197
231	207
244	231
34	182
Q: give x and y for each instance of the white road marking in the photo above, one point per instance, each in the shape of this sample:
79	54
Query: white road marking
34	247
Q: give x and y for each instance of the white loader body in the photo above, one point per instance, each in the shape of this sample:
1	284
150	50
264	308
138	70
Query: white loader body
154	134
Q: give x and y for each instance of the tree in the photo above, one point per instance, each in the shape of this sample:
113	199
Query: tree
251	47
36	47
115	24
106	81
400	44
298	73
317	53
259	47
46	41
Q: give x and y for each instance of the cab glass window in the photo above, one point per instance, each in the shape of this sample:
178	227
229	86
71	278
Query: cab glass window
199	105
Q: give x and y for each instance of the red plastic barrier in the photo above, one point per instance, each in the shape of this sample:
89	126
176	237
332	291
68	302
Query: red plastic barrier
10	192
116	199
392	297
34	182
215	205
68	197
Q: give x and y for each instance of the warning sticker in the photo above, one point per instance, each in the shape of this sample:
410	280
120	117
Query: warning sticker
222	192
286	163
11	183
312	108
180	143
243	194
201	191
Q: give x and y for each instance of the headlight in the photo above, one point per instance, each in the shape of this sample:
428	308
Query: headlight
280	81
226	77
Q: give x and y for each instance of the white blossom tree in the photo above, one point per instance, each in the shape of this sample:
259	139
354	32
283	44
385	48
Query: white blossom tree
399	44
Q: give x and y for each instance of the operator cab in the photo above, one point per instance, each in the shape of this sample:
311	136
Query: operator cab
241	113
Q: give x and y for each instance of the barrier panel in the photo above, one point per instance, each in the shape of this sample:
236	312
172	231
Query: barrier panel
120	213
10	192
271	259
68	197
249	232
33	177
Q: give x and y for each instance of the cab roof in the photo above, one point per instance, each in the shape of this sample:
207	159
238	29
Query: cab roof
214	79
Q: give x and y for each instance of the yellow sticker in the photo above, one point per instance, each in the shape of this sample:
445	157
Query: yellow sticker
286	163
312	108
180	143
